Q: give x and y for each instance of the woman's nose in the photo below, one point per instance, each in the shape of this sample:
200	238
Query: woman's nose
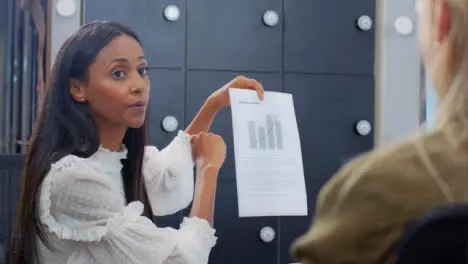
139	84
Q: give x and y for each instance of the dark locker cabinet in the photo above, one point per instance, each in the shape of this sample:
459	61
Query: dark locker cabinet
231	35
324	36
163	40
328	109
166	101
10	176
238	238
4	214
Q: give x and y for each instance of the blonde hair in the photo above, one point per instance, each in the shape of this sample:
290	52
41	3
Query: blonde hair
451	68
454	98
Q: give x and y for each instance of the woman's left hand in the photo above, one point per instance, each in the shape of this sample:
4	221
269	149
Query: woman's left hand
220	97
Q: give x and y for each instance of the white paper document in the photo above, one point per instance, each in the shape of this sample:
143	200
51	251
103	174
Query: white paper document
268	159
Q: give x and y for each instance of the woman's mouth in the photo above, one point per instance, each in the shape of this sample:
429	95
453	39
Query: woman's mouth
139	104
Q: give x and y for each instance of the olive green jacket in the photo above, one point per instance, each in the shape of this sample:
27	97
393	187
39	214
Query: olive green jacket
362	210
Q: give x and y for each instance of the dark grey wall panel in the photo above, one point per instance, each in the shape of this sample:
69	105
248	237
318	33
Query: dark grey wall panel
10	174
164	41
167	98
4	214
294	226
322	37
327	109
230	35
239	238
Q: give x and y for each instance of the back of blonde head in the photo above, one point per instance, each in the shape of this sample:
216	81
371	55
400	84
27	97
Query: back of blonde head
449	71
452	67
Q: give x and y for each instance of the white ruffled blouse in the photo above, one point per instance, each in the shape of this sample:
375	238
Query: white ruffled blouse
87	220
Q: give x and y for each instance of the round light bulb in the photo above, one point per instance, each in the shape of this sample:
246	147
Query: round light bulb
171	13
270	18
404	25
66	8
364	23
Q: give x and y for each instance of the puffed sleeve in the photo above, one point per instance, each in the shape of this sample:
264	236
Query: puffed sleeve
362	210
169	175
78	204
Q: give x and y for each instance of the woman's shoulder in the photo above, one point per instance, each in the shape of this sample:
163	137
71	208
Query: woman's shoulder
73	177
72	168
71	163
394	166
398	156
410	157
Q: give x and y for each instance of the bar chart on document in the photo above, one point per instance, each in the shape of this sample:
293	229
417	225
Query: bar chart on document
267	136
267	152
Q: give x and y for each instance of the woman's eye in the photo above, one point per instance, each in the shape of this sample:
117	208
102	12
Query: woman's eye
143	71
119	75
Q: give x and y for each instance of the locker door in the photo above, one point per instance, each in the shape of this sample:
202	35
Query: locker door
231	35
166	100
163	41
328	109
4	215
10	176
323	36
238	238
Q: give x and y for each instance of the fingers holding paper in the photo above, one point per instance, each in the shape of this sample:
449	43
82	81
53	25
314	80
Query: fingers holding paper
221	96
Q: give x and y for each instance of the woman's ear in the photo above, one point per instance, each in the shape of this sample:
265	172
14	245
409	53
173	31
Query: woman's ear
442	20
77	91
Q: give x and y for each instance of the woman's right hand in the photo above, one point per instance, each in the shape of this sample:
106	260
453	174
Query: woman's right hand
209	149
